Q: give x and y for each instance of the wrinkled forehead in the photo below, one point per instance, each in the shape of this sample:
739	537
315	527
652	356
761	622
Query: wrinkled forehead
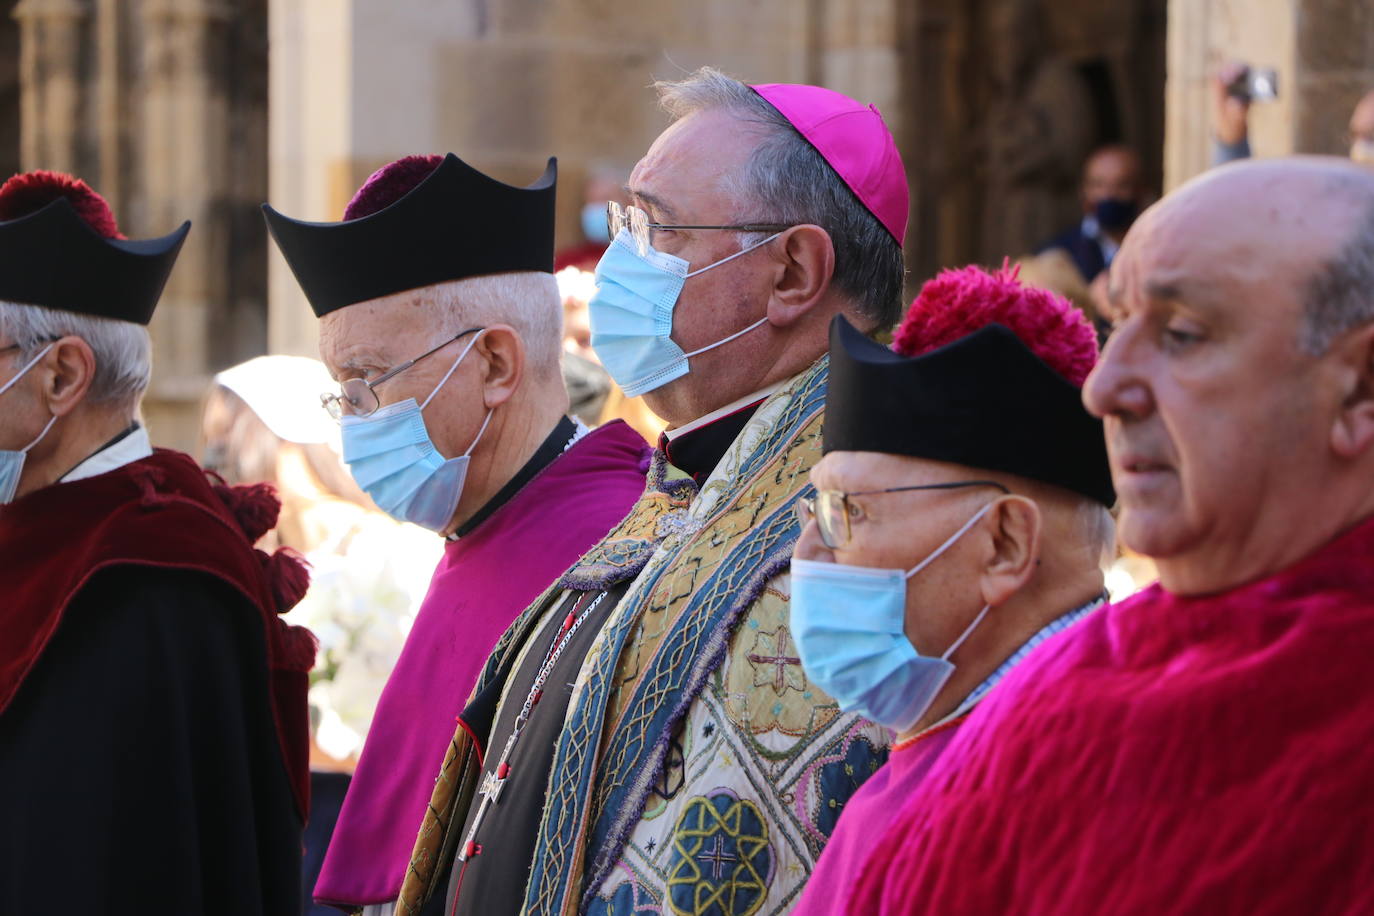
855	470
692	170
1236	244
381	331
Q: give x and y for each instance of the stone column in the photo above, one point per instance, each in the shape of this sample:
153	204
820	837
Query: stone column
55	63
184	158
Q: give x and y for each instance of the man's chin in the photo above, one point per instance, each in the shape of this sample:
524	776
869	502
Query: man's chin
1152	533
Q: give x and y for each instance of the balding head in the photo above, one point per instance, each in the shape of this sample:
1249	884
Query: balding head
1238	386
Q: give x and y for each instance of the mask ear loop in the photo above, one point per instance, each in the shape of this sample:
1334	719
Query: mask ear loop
947	544
759	323
51	421
738	254
27	366
490	411
968	632
451	369
726	340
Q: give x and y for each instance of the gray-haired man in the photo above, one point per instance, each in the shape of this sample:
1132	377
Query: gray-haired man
651	739
153	728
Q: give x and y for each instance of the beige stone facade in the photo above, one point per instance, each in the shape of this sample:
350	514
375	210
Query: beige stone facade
161	105
177	109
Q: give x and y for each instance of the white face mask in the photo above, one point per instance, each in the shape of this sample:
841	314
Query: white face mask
12	462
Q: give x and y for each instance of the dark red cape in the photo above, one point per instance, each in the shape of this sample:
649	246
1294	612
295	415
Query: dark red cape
1167	755
159	512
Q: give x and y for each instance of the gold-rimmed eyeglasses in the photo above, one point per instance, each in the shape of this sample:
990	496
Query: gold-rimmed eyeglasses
356	396
637	222
833	511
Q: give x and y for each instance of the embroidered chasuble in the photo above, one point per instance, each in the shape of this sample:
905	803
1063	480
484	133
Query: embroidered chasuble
1194	755
696	769
563	501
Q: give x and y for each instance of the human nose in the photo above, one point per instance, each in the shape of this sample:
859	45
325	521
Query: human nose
1117	385
810	546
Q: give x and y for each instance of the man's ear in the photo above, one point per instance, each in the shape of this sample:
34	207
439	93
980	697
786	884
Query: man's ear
1353	430
805	260
1015	524
502	354
65	374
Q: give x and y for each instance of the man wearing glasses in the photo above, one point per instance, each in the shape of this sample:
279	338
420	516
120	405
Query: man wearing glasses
153	724
959	521
441	320
656	744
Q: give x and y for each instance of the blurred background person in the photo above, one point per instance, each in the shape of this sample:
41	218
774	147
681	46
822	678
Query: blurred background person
1232	99
262	423
1112	193
605	183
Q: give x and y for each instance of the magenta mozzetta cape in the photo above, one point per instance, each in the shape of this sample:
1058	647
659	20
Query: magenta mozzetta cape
1170	755
482	583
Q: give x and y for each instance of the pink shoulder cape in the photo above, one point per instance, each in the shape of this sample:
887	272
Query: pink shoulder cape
1170	755
481	585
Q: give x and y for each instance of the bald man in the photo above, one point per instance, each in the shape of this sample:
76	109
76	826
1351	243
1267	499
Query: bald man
1112	193
1203	747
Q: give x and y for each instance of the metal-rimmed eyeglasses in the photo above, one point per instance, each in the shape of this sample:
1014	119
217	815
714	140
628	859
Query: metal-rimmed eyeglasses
637	221
356	396
833	511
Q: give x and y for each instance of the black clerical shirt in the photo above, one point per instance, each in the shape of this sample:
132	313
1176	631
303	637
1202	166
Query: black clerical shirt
493	881
554	444
699	451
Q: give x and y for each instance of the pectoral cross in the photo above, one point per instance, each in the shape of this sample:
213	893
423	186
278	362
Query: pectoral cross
492	784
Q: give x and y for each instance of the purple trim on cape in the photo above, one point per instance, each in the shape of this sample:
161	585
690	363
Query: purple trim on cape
481	585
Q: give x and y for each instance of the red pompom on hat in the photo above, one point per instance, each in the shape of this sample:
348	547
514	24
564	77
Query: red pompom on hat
389	184
29	192
959	302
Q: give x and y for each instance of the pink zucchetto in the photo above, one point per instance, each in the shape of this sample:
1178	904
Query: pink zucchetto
856	143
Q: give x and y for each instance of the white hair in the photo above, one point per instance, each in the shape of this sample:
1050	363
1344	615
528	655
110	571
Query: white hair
527	301
123	350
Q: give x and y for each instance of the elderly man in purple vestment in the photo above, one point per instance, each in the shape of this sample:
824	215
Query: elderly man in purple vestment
440	317
960	521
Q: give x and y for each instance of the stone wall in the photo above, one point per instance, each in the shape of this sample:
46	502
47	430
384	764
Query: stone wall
1323	50
161	106
356	83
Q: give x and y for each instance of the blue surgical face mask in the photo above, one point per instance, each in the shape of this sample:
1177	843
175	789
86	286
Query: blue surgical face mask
594	228
849	624
631	314
392	458
12	461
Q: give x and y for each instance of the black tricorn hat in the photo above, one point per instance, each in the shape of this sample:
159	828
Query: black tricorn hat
985	401
52	258
456	223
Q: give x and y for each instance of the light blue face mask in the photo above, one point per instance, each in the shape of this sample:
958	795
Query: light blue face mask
11	461
631	314
849	624
392	458
594	228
